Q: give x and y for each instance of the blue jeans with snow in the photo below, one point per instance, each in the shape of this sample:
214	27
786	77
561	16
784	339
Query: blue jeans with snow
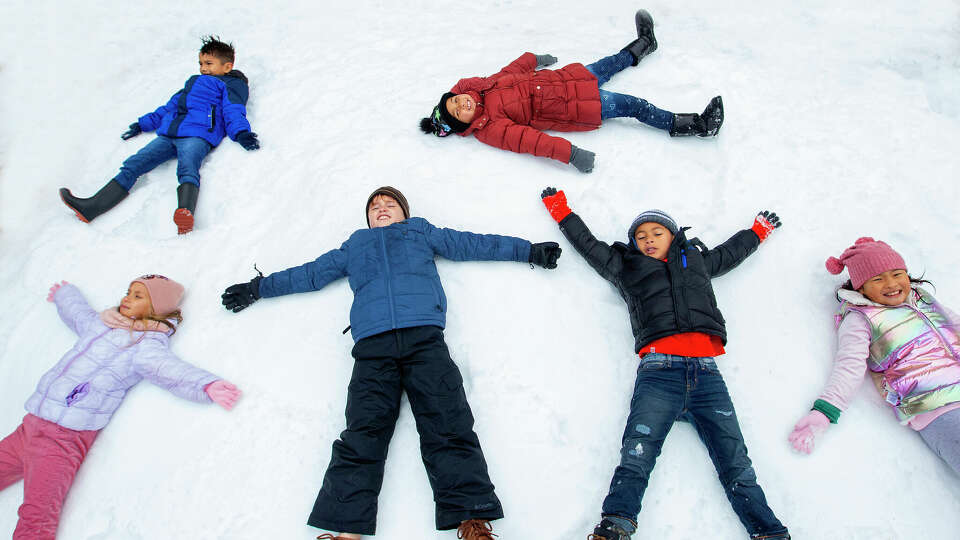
189	152
623	105
671	388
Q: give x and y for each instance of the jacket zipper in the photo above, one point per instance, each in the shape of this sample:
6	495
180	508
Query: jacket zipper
386	267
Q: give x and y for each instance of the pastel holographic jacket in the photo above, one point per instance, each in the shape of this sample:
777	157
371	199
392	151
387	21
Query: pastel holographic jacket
912	352
87	385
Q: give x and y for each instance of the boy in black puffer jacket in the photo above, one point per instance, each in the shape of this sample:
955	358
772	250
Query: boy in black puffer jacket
665	280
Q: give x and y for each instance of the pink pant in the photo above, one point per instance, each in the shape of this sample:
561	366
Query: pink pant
47	457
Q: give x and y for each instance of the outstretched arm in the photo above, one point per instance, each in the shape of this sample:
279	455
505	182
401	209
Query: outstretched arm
522	139
853	337
600	256
731	253
311	276
467	246
154	361
151	120
72	307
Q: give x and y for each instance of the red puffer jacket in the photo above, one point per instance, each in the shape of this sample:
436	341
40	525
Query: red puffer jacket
515	104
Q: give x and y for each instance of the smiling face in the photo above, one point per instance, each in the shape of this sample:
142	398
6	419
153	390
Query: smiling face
462	107
211	65
384	210
653	239
890	288
136	304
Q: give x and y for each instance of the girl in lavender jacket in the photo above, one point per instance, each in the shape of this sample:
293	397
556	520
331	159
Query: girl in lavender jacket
908	341
75	400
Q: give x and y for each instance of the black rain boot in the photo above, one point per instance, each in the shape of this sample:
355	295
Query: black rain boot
646	42
186	205
706	124
608	530
87	209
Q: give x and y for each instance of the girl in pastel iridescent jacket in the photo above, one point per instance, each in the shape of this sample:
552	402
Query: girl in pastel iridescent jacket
909	342
76	398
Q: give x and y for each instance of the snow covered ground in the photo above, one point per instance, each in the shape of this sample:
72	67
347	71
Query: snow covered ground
843	117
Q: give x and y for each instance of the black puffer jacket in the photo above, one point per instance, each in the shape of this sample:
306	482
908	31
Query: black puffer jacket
664	298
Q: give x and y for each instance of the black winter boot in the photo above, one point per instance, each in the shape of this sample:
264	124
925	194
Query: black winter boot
87	209
186	205
608	530
646	42
706	124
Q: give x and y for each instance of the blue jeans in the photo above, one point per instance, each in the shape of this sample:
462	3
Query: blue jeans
616	105
189	152
671	388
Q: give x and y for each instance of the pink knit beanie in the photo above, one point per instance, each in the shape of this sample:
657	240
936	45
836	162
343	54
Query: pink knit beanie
165	293
864	259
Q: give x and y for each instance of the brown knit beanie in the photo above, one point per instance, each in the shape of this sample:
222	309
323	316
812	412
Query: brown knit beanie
389	192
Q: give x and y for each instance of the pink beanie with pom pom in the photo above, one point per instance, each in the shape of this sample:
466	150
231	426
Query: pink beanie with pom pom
864	259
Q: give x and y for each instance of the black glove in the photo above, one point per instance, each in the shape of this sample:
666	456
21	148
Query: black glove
544	60
132	131
581	159
237	297
248	140
545	254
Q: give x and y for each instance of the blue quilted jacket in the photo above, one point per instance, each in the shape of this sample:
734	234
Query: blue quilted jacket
208	106
392	273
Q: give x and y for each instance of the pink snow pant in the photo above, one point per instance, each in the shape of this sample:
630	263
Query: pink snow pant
47	457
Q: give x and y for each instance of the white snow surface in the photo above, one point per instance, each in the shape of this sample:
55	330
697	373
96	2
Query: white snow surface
843	117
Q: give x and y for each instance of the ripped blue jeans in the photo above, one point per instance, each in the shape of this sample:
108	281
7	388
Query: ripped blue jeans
671	388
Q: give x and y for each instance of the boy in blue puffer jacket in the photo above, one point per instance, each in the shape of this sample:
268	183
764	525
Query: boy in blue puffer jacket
397	319
210	106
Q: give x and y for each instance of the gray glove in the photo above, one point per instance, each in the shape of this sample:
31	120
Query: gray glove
581	159
544	60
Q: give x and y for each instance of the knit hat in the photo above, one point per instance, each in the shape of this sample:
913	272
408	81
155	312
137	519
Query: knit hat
441	123
655	216
165	293
389	192
864	259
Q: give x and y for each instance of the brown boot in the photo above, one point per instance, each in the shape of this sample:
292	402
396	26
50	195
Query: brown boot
475	529
328	536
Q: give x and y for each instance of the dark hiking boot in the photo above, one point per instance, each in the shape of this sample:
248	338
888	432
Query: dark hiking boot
706	124
778	536
646	42
608	530
186	205
475	529
87	209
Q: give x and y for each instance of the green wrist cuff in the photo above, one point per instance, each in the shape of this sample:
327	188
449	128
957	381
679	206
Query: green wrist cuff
828	410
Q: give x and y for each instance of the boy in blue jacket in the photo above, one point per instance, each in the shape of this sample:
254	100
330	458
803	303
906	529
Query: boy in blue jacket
397	320
210	106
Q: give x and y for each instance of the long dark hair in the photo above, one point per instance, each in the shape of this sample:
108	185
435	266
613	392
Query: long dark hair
848	285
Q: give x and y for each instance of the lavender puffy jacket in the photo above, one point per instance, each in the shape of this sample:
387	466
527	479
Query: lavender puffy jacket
87	385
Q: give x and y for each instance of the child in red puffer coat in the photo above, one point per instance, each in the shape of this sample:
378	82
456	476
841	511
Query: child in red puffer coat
512	108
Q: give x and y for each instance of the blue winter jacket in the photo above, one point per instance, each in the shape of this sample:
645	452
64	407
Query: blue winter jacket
392	273
208	106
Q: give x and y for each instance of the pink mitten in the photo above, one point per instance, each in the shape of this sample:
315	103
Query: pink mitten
53	290
807	429
223	393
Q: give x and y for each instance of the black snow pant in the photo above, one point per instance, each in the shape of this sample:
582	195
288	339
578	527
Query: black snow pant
415	360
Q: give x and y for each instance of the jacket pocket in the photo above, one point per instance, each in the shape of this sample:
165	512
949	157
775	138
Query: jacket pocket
78	393
213	118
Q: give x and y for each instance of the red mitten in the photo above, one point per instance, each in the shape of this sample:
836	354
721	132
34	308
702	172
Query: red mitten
556	203
765	223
